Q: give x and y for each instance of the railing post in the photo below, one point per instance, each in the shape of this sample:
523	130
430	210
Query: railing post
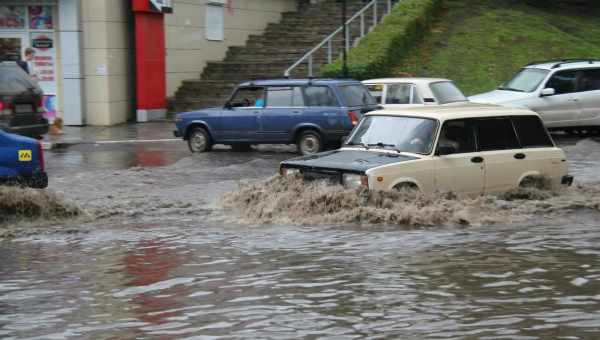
344	29
345	48
374	13
362	25
347	38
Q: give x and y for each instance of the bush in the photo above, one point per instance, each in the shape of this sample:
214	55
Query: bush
380	50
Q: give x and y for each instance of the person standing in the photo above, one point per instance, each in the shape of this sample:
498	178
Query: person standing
31	69
22	64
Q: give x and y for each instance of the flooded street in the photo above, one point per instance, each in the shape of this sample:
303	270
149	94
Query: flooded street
157	254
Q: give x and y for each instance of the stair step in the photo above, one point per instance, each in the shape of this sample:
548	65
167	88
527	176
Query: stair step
269	54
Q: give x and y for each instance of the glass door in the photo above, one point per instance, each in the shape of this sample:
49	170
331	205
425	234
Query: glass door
12	45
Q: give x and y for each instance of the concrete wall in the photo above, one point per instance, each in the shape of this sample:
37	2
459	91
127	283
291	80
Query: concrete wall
188	50
107	48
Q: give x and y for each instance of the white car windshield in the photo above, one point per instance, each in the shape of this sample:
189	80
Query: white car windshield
527	80
403	134
446	92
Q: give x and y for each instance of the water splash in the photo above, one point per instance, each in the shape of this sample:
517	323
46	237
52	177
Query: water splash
29	204
291	200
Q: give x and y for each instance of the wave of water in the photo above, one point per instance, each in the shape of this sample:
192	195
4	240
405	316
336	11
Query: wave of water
18	204
291	200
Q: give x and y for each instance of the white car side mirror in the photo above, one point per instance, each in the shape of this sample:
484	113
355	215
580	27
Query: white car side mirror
547	92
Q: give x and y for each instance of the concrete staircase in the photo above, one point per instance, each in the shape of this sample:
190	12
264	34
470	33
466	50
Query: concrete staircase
268	55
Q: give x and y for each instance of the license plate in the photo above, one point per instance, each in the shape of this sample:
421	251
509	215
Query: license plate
23	108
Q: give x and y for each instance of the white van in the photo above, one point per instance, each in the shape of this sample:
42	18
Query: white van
465	149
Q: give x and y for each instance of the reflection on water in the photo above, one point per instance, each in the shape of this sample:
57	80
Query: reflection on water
284	282
150	267
584	158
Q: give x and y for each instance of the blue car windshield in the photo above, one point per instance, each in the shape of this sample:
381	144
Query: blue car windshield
405	134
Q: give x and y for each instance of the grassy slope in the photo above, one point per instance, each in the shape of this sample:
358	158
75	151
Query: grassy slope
482	43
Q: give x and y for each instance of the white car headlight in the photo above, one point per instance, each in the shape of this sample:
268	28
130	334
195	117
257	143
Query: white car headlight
355	181
289	172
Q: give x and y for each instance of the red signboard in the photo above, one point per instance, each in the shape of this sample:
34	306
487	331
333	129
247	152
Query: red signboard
157	6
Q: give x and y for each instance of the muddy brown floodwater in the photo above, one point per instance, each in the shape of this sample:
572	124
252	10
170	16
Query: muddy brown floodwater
211	246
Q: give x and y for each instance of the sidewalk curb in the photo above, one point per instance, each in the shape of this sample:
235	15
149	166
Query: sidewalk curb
63	144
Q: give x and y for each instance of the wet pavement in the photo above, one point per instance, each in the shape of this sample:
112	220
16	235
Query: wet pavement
159	256
128	132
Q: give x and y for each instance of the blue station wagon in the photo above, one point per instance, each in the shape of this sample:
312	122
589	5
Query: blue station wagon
21	161
311	113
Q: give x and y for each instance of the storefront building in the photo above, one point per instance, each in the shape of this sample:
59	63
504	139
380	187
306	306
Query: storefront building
89	60
33	25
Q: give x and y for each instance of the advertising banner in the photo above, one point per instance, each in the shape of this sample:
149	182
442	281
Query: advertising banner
40	17
12	17
44	62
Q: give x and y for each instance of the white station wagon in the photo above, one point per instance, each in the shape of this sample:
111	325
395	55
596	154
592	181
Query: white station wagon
466	149
394	93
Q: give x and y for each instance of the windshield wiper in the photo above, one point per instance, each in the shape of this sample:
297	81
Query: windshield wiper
359	144
382	145
388	146
509	89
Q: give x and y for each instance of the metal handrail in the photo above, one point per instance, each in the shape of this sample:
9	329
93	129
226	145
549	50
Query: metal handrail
328	40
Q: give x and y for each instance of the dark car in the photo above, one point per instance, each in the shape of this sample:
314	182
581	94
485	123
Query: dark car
21	98
22	161
311	113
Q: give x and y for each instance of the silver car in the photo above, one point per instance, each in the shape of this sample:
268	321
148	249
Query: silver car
566	93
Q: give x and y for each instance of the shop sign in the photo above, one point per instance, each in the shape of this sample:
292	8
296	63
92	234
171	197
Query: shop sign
42	43
12	17
161	5
44	61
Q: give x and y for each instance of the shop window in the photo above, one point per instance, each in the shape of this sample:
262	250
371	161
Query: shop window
40	17
12	17
215	17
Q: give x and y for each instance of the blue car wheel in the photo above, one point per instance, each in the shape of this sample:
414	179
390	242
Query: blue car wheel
199	140
309	142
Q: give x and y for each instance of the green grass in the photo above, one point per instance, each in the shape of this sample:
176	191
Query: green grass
377	53
482	43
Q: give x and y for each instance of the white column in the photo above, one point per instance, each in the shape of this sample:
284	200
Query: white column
70	31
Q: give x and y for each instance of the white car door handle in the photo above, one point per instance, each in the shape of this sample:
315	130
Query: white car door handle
574	99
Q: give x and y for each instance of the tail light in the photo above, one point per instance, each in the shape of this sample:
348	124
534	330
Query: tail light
41	156
39	103
5	108
353	117
364	181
